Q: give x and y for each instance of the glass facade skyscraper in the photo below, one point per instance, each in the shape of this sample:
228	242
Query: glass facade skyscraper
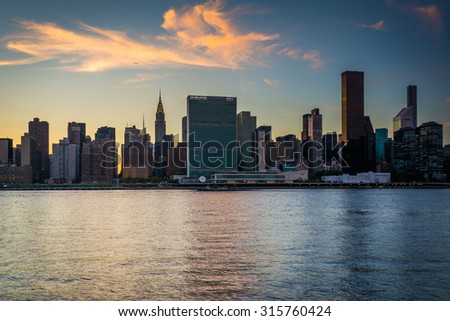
246	135
211	128
312	126
352	86
431	150
407	117
357	130
381	136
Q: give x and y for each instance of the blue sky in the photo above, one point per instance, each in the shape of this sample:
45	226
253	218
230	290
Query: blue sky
103	63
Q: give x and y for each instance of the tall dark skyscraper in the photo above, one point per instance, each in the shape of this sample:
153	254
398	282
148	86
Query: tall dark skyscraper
246	135
211	135
357	130
369	145
184	129
329	141
39	130
411	100
381	137
6	151
76	133
352	105
160	122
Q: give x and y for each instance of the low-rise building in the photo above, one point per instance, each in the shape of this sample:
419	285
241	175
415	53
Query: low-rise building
359	178
270	177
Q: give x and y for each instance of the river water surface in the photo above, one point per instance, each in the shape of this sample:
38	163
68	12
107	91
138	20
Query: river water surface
318	244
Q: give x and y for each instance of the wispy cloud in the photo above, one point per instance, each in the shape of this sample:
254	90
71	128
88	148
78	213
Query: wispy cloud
311	56
91	49
140	78
429	16
293	53
379	26
202	35
447	99
272	83
208	31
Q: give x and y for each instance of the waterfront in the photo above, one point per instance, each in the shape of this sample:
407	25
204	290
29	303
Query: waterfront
320	244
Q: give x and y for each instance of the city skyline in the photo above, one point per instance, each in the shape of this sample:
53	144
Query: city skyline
288	63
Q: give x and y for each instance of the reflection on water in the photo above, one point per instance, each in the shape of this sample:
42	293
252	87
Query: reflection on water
248	245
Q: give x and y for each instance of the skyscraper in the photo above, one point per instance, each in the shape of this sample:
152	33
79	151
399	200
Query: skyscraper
76	133
352	83
405	151
28	153
6	151
287	151
312	126
64	161
184	129
160	122
431	150
137	153
411	100
418	153
99	157
265	145
312	138
39	130
369	145
246	131
329	141
407	117
381	136
105	133
357	131
211	135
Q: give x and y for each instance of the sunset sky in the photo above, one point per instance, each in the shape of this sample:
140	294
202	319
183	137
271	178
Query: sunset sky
102	62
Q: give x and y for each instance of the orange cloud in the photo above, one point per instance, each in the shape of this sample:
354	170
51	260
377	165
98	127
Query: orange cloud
379	26
206	29
203	35
91	49
431	17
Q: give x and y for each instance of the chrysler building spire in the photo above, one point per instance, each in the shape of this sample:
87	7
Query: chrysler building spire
160	123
